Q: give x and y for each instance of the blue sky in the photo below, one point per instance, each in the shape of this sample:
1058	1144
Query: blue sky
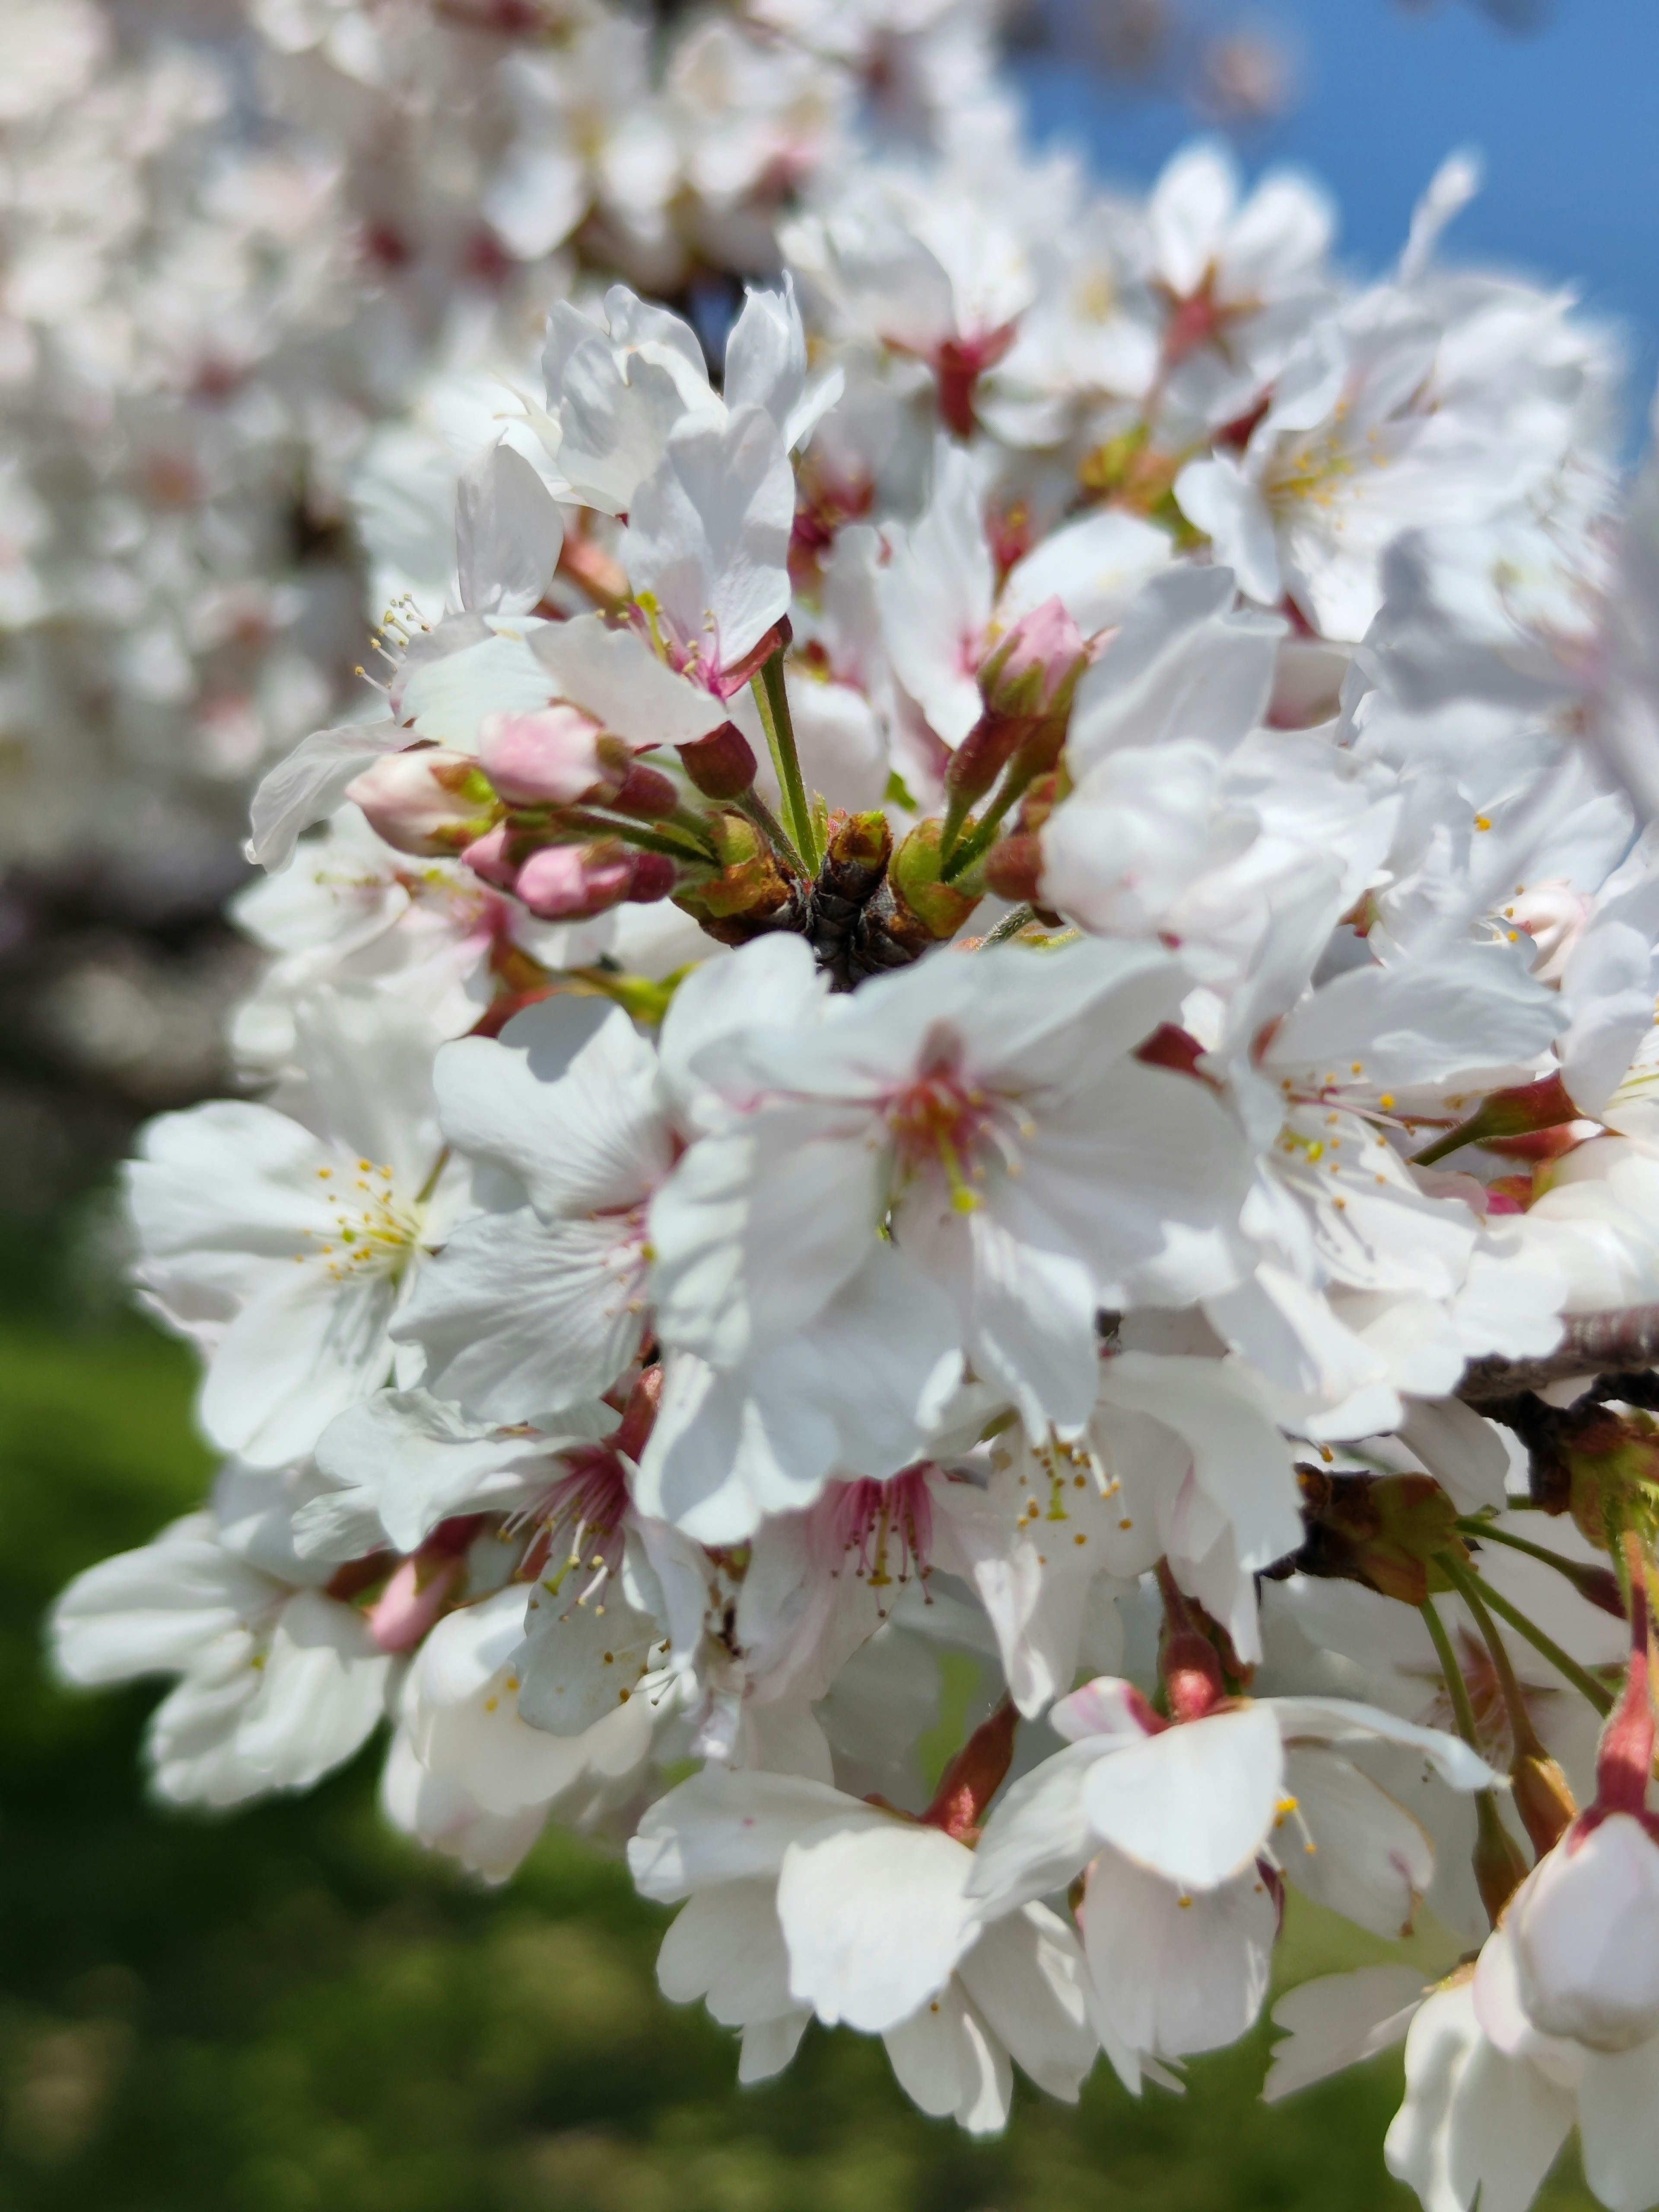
1567	119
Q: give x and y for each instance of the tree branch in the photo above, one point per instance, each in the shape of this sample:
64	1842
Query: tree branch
1623	1340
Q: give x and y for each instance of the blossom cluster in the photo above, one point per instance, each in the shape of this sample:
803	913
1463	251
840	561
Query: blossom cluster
977	1015
250	257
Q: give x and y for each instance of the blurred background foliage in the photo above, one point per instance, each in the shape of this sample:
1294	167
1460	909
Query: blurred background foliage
292	2008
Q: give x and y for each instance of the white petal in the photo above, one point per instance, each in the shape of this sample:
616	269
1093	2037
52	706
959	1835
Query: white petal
1027	1975
875	1918
152	1611
310	784
614	676
722	1826
1194	1804
1038	1836
565	1099
708	532
1475	2125
1337	2021
769	2044
322	1690
580	1661
1175	1974
1618	2126
508	533
1370	1860
517	1319
946	2061
1339	1720
726	1947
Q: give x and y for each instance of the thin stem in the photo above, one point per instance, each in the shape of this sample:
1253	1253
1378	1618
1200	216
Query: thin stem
963	855
1457	1688
770	828
1498	1866
1485	1533
692	823
635	833
1017	918
1522	1733
1582	1681
424	1194
773	700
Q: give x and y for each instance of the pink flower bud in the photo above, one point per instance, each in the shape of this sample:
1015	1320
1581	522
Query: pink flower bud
647	792
413	1601
427	802
1033	669
655	876
573	883
1013	869
489	856
550	756
722	764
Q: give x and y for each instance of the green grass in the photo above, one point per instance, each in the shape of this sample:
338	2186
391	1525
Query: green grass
290	2008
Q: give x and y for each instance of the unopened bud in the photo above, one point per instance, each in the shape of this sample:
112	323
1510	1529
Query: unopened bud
1013	869
573	883
1032	671
720	765
490	857
854	865
548	756
974	1776
1543	1798
1191	1675
427	801
646	791
981	757
413	1601
915	874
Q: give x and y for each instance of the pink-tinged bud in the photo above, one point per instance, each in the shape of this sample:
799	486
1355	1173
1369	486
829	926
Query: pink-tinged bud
1013	869
1033	669
981	757
720	765
646	792
974	1776
488	856
427	802
548	756
573	883
654	877
414	1600
1191	1675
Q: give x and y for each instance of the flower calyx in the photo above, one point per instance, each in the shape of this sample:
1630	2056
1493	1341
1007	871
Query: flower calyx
1380	1530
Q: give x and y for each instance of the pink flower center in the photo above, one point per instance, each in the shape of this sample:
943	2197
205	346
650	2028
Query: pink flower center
584	1510
886	1528
943	1122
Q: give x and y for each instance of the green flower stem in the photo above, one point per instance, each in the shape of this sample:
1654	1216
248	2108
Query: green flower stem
1019	918
770	828
635	833
1456	1687
969	849
1485	1533
1494	1846
1582	1680
773	700
692	825
1467	1586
